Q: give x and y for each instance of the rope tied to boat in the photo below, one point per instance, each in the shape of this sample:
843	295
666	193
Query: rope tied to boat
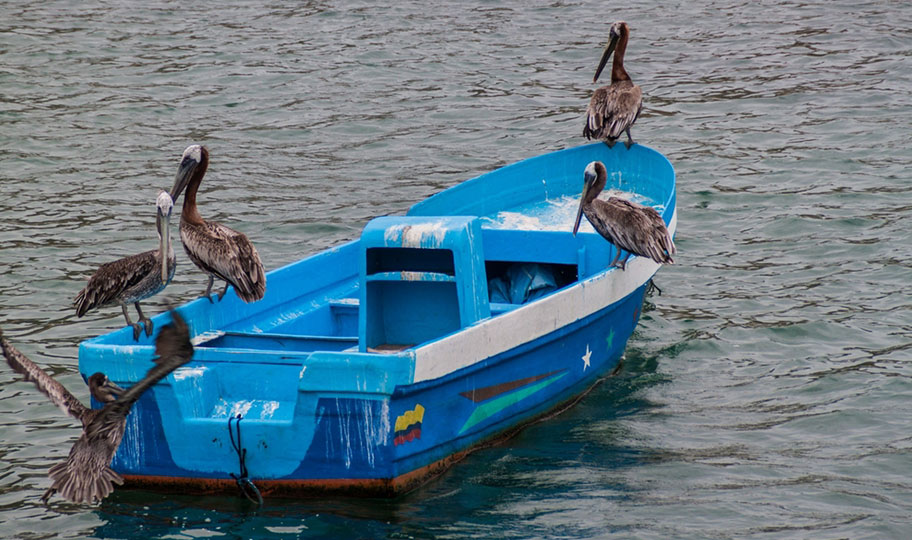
247	487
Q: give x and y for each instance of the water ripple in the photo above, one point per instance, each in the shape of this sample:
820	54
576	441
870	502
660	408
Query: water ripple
764	393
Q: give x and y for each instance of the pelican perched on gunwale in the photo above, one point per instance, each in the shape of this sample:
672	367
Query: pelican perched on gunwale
614	108
218	251
136	277
86	475
632	227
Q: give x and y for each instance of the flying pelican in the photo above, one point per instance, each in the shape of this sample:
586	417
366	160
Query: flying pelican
632	227
614	108
134	278
86	475
218	251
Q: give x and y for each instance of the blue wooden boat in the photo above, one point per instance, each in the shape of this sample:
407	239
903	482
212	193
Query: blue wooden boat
372	366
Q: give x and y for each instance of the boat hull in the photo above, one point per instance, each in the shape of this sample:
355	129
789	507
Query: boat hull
458	414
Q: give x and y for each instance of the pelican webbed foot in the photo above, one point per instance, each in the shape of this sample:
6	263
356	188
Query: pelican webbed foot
146	321
137	330
617	262
623	264
609	142
137	327
47	495
208	294
617	256
651	286
224	290
629	142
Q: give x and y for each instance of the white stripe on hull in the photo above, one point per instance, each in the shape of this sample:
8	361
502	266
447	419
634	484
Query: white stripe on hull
532	321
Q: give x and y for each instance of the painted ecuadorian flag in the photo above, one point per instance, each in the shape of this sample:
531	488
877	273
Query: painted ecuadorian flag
408	425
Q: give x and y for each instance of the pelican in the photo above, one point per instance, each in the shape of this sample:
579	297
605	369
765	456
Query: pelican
614	108
218	251
632	227
134	278
86	476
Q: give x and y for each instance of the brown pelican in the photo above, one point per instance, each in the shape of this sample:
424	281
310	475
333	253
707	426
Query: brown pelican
86	475
134	278
614	108
632	227
217	250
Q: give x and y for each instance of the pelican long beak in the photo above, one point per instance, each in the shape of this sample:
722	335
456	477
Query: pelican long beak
113	387
589	178
579	216
163	220
110	391
184	173
165	231
605	55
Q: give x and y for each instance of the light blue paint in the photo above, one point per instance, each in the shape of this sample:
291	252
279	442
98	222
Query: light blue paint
298	365
424	278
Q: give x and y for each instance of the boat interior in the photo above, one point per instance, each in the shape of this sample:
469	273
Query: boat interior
404	288
442	274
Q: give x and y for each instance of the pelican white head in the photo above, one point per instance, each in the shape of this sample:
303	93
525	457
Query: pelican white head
194	152
164	203
194	159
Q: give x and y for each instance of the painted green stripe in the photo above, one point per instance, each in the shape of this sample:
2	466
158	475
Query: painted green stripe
494	406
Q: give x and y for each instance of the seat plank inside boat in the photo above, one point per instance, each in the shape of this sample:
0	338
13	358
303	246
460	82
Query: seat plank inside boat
283	342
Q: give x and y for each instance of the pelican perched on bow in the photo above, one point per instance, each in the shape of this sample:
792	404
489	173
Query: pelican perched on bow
614	108
217	250
86	474
632	227
134	278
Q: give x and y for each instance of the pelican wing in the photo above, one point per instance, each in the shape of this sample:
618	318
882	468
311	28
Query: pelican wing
113	278
59	395
612	110
252	283
228	254
633	227
174	349
86	474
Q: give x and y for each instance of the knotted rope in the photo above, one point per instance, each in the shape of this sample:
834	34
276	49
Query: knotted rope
248	489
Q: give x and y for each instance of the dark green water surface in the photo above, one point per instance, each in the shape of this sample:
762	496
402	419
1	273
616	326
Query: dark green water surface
766	394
